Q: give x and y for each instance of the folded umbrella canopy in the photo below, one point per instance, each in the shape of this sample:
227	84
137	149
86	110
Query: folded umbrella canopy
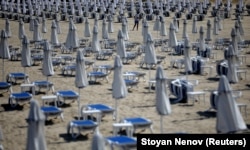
229	118
81	80
4	49
36	120
120	45
25	53
163	106
208	37
21	29
53	36
119	89
87	32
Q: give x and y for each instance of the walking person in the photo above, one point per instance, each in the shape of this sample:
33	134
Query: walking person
137	19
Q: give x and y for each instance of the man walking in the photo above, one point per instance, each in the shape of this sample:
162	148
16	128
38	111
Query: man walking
137	19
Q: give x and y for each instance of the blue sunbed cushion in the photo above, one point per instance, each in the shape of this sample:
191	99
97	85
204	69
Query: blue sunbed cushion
130	82
20	96
97	74
84	123
17	75
67	93
138	121
4	85
122	140
50	109
101	107
42	83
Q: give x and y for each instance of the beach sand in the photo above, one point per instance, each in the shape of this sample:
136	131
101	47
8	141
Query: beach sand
185	118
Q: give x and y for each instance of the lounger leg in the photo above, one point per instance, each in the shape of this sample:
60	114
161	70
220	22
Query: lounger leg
151	128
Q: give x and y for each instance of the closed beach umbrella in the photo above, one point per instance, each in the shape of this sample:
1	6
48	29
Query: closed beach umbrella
220	27
87	32
201	40
229	118
157	24
25	53
98	141
4	48
81	80
72	40
21	29
105	34
234	41
95	40
58	25
145	32
172	42
44	28
187	59
31	24
36	33
96	22
121	50
231	57
215	28
194	26
53	36
47	67
176	24
241	29
163	106
110	24
163	31
7	28
208	37
36	120
238	36
184	33
125	30
119	89
150	57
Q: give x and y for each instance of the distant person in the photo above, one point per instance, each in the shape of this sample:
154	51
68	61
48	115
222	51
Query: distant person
137	19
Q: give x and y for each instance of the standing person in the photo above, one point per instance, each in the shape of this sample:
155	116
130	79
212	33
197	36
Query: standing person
137	19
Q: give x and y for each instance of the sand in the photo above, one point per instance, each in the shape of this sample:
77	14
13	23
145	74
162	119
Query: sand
186	118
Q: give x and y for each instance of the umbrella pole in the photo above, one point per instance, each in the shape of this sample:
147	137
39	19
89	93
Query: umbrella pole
149	77
161	124
3	68
116	110
47	90
79	113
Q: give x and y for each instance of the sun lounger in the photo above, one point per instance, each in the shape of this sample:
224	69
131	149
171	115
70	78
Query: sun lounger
122	141
64	95
93	76
43	84
105	109
179	88
51	111
83	125
104	54
16	98
15	76
139	122
136	75
5	86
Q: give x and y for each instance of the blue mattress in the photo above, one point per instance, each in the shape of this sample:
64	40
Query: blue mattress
138	121
103	108
21	96
122	140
